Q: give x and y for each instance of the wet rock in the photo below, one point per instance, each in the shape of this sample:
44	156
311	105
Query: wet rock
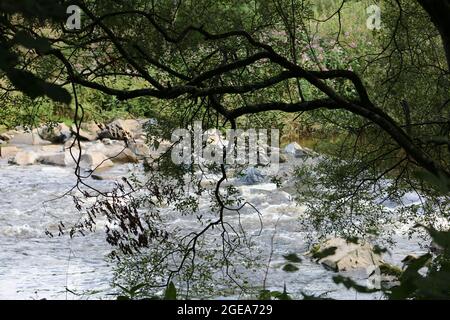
121	155
134	126
251	176
8	151
118	151
56	134
93	160
348	256
24	158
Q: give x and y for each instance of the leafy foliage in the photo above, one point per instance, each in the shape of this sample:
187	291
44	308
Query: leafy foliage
26	81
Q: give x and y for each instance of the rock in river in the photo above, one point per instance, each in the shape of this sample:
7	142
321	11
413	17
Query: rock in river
24	158
95	160
347	256
252	176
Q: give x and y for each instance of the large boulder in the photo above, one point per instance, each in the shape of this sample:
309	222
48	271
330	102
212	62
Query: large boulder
133	126
28	138
92	160
55	134
6	136
140	149
8	151
347	256
24	158
117	151
61	159
84	134
91	126
121	130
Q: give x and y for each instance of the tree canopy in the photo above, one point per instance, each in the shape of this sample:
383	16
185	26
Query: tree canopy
383	93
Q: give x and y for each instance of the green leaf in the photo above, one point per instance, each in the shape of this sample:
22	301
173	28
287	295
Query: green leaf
39	9
265	295
7	58
350	284
313	297
354	240
292	257
290	268
390	270
171	292
379	250
441	238
441	183
324	253
285	294
280	295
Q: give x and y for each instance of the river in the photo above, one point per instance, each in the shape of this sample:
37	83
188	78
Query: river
34	266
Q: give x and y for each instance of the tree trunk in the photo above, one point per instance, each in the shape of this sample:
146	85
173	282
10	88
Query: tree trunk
439	12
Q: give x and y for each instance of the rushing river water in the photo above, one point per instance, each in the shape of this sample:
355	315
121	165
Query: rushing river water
34	266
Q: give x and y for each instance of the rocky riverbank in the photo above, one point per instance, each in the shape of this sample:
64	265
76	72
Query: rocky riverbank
102	145
43	158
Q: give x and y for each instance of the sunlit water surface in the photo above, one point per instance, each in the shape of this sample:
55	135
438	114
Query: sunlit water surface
34	266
